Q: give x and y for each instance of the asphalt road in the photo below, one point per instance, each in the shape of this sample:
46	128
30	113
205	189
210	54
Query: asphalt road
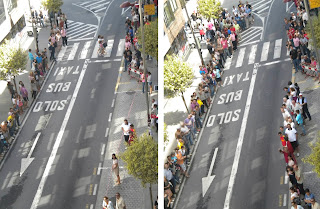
71	174
259	180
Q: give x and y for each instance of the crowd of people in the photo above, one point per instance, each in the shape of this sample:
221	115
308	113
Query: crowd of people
294	108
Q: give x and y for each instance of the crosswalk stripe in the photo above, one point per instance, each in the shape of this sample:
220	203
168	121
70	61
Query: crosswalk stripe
260	11
251	34
73	51
99	10
252	54
99	2
75	25
90	2
95	50
83	32
262	5
84	51
247	31
240	57
61	53
227	65
100	5
265	50
277	49
109	48
120	48
78	30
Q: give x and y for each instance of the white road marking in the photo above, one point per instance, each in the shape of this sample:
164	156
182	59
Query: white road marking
99	10
85	49
61	53
244	33
252	54
97	61
99	169
73	51
55	72
109	48
112	105
262	10
286	178
91	206
252	35
56	145
120	48
284	200
95	50
275	62
99	6
247	41
117	60
84	33
76	30
103	148
227	65
262	5
265	50
110	116
95	189
240	57
124	10
107	132
92	93
241	137
91	3
277	49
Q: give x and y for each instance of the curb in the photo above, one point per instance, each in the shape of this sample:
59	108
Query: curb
26	116
194	151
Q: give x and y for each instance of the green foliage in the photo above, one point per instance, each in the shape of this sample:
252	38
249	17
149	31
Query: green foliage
209	8
150	38
316	26
165	133
52	5
141	159
178	76
314	158
12	60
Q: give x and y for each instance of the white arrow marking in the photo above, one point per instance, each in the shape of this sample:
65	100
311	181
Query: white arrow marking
25	162
206	181
124	10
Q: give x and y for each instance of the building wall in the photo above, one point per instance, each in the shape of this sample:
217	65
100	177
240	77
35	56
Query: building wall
173	29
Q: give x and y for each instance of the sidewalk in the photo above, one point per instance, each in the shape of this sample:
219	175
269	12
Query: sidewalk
130	104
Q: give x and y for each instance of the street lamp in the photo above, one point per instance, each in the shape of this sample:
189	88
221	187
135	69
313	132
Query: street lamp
35	32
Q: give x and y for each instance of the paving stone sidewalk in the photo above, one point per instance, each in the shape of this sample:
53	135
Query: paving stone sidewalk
130	104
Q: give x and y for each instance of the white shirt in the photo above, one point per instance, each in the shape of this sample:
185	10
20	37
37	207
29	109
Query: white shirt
291	134
285	123
120	204
305	16
126	129
285	114
109	206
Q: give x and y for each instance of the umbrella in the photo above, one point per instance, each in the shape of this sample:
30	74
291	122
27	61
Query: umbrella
126	4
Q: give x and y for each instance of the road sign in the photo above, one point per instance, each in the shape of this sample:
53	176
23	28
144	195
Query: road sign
314	4
149	8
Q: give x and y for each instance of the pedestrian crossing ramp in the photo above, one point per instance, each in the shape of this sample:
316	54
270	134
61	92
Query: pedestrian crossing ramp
83	50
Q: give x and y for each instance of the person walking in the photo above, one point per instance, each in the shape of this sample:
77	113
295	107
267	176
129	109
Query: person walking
107	204
120	204
303	102
126	128
115	168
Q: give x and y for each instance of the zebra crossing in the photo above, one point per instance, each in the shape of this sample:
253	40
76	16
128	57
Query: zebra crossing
94	6
261	7
80	31
82	50
268	51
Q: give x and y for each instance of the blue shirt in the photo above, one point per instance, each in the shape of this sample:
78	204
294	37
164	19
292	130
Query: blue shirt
309	197
248	11
218	73
299	119
30	56
39	59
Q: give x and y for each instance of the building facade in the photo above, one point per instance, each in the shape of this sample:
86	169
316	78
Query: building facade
174	24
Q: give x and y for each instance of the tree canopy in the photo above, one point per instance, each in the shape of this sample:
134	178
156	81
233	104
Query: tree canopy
150	38
13	60
316	26
178	76
209	8
52	5
141	159
314	158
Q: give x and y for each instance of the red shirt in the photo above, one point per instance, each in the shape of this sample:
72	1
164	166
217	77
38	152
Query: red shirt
291	33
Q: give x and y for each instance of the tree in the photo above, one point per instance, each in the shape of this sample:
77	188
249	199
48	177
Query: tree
13	60
316	26
52	5
165	134
209	9
150	38
178	76
314	158
141	160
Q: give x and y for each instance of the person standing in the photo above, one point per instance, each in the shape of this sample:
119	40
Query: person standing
308	197
52	51
293	138
299	177
10	88
126	128
31	58
107	204
64	36
149	80
314	204
120	204
24	94
169	176
143	81
303	102
115	168
299	120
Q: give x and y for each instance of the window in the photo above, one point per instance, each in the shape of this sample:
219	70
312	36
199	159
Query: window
168	14
2	12
11	4
173	5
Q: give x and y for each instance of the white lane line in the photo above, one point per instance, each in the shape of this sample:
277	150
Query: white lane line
112	105
286	178
95	50
61	53
110	116
275	62
120	48
99	10
91	3
241	137
265	50
260	11
85	49
99	169
75	25
107	132
56	145
262	5
277	49
249	37
91	206
117	60
240	57
244	33
95	189
77	30
103	148
227	65
101	61
92	93
252	54
84	33
99	6
109	48
73	51
284	200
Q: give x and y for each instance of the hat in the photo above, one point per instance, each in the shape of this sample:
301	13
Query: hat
127	18
300	94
